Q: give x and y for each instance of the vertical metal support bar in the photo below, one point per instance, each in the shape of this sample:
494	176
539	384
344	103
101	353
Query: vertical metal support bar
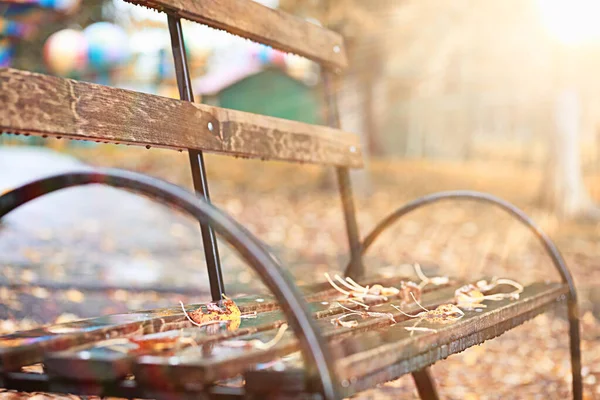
209	239
355	268
425	386
575	347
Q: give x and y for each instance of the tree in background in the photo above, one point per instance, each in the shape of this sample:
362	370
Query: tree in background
576	33
420	51
396	50
563	190
362	26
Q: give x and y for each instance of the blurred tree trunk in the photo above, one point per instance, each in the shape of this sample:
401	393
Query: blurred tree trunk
361	25
563	190
369	73
356	21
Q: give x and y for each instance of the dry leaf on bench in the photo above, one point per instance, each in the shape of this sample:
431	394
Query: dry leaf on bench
227	311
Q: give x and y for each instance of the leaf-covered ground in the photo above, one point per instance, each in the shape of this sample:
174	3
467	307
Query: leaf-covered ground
295	209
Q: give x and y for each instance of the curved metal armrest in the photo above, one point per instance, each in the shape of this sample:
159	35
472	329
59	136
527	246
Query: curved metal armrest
552	250
314	347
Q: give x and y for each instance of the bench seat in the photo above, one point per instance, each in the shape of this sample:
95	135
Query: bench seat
104	355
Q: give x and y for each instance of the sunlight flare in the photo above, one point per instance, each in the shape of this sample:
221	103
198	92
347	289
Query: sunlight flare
571	22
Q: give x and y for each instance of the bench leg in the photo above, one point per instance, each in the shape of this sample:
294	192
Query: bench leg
425	384
575	348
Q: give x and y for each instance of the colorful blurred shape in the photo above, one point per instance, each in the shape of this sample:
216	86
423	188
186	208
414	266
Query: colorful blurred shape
66	51
13	29
107	46
6	52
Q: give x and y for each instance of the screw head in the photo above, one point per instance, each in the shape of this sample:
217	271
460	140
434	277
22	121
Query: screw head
336	49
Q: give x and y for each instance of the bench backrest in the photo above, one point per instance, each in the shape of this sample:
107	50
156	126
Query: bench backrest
43	105
261	24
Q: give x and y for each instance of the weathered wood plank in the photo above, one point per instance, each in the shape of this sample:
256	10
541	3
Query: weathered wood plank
194	367
372	346
107	361
409	354
43	105
373	357
261	24
110	360
28	347
389	344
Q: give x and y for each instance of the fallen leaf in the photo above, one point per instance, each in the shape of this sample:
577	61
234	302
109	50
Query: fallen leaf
226	310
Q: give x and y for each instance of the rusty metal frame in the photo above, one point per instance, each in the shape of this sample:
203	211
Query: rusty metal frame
555	255
355	268
319	363
196	158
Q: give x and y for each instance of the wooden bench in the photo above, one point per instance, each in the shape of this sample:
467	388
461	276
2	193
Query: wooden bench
160	353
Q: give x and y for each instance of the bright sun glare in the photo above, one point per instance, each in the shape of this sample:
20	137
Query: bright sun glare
571	21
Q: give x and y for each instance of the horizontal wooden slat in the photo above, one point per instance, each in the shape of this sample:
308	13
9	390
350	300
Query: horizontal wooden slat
261	24
222	362
374	349
39	104
104	363
374	357
363	360
28	347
